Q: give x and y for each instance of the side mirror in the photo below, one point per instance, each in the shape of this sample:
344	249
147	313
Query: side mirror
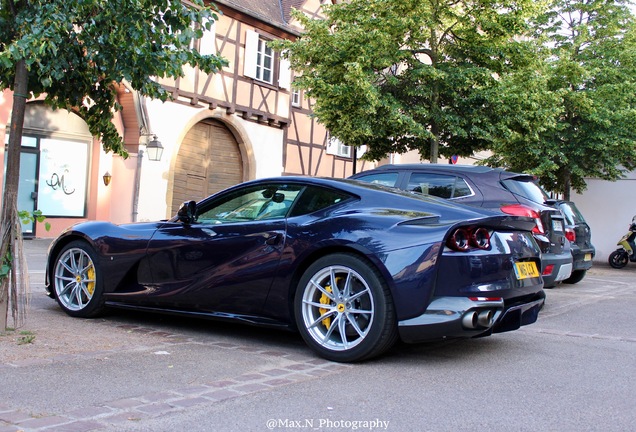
187	212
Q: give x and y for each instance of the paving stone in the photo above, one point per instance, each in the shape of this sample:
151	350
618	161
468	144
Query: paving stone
195	389
129	417
160	396
299	366
275	372
80	426
89	412
250	388
278	382
156	408
188	402
221	395
220	384
124	403
14	416
249	377
42	422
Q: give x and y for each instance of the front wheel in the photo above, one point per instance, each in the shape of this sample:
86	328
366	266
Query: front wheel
77	280
344	310
618	259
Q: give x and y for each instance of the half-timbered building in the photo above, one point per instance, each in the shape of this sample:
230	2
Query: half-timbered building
242	123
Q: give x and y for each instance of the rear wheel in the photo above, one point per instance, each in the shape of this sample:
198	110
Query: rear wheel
618	258
77	280
576	277
344	310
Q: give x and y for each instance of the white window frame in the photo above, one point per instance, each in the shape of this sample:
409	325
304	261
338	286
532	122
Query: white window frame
337	148
263	54
256	55
295	98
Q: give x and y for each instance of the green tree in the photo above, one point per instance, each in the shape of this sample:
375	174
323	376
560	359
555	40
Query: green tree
588	82
401	75
73	53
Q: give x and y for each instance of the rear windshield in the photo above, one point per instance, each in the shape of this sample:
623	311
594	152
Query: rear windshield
572	215
527	188
385	179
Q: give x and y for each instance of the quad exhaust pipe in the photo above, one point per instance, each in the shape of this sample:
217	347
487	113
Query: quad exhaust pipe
478	319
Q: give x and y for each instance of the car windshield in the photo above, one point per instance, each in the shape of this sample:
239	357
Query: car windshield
526	187
572	214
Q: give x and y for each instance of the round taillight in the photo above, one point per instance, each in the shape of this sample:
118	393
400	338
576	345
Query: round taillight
480	238
460	240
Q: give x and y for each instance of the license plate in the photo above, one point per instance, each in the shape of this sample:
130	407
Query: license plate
557	225
526	269
588	257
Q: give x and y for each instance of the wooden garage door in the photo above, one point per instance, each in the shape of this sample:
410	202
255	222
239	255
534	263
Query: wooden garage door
209	160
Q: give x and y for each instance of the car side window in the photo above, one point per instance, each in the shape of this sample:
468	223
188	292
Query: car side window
316	198
257	203
440	185
384	179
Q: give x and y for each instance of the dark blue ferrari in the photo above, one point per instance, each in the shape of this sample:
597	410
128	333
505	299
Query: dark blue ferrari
350	265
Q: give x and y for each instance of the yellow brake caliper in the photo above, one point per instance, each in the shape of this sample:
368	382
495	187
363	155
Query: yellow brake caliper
325	300
90	287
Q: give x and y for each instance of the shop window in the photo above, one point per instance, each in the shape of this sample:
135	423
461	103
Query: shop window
62	180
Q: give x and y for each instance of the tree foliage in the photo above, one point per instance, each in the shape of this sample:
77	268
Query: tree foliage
410	74
73	54
586	90
76	50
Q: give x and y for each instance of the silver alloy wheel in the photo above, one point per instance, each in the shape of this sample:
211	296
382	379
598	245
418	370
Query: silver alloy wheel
337	308
74	279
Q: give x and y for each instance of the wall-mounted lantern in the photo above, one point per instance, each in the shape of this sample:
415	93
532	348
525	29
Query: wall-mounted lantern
107	178
154	149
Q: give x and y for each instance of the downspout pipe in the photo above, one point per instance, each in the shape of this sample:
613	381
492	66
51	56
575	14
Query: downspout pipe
135	206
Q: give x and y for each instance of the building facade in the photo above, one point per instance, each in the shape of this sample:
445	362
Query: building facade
243	123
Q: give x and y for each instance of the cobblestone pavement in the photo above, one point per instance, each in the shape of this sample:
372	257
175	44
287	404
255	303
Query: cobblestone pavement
60	341
139	372
290	368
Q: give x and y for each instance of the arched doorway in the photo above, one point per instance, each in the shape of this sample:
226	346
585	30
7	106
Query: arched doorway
208	161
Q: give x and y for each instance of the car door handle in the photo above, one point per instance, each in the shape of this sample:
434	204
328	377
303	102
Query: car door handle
273	239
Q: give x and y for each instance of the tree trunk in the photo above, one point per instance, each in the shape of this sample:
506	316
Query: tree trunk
434	143
567	186
10	197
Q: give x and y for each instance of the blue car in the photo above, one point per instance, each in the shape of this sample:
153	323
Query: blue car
351	266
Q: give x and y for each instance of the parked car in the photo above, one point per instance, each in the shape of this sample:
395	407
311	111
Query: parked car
494	188
351	266
578	232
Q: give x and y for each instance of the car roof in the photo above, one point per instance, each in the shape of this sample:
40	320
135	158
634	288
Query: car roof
467	170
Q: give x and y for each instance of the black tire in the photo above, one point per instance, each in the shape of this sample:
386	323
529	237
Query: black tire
618	259
77	280
576	277
361	309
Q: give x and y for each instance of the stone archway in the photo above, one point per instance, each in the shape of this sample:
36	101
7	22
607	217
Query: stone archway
209	160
